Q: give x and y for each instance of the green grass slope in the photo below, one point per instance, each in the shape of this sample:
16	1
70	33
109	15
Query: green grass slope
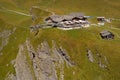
76	42
10	21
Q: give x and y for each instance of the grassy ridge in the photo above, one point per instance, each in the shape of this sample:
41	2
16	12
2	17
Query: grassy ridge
76	42
9	21
11	49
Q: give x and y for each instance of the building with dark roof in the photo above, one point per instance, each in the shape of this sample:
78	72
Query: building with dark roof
106	34
71	20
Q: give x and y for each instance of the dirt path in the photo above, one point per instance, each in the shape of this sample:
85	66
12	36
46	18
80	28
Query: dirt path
114	28
16	12
115	32
115	19
53	13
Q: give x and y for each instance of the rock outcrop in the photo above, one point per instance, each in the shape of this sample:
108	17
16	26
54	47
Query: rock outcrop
10	77
101	60
23	71
5	37
47	63
90	55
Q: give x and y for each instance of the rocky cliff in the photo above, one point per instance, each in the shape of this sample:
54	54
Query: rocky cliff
44	63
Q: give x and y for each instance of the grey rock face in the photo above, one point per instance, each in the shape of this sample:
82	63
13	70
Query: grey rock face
11	77
23	71
101	60
42	63
90	56
5	37
45	61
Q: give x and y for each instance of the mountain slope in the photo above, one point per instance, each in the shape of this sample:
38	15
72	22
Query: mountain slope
15	31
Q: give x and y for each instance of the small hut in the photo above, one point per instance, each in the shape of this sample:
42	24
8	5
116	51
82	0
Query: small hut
101	19
106	34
